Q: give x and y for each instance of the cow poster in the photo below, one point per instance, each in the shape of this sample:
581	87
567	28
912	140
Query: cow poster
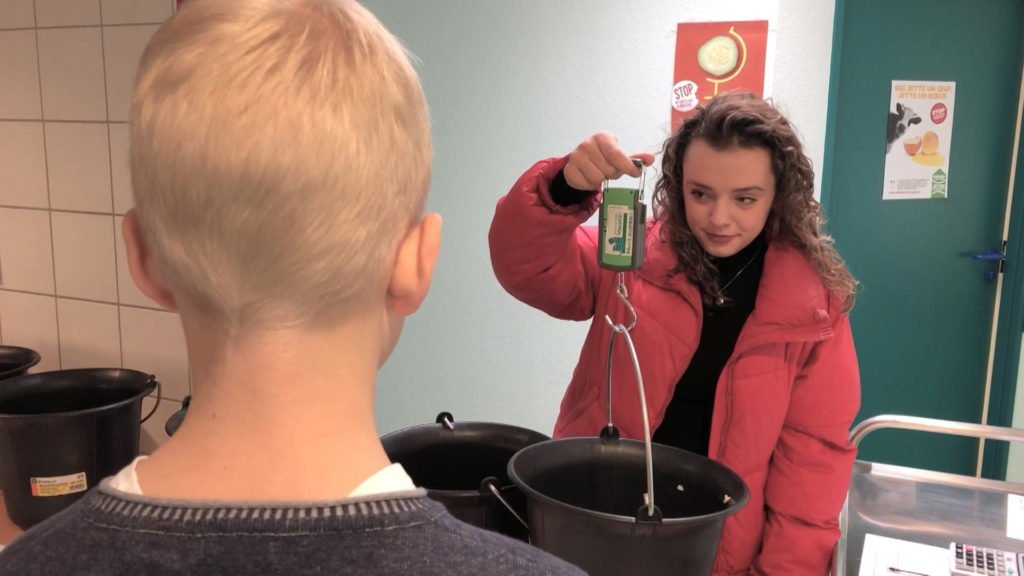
917	143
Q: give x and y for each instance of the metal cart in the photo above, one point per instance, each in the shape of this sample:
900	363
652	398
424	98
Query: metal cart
933	508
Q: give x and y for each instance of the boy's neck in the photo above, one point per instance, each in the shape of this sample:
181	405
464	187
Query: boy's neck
291	414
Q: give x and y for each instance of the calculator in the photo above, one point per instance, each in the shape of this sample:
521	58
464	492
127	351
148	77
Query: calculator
967	559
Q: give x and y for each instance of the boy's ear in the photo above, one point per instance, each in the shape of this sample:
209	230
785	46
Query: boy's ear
141	265
414	266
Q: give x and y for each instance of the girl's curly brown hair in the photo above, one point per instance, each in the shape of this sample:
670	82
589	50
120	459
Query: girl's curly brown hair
746	121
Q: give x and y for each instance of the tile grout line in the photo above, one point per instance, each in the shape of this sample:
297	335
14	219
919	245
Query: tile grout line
79	299
56	308
46	163
79	26
110	168
59	210
56	121
106	92
117	291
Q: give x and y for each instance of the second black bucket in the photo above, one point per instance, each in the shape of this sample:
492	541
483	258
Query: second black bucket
462	465
62	432
586	505
16	361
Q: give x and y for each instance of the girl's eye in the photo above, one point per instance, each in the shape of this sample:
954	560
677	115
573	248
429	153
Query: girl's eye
747	200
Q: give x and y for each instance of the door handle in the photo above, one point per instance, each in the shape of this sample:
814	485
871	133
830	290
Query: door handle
996	259
991	255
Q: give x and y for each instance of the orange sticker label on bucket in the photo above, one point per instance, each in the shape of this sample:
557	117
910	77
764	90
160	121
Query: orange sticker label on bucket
59	485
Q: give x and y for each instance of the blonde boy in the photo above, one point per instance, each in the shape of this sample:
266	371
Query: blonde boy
280	158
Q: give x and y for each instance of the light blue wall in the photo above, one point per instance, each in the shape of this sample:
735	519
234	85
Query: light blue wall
513	82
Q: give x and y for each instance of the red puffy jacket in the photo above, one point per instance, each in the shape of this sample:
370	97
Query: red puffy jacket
785	400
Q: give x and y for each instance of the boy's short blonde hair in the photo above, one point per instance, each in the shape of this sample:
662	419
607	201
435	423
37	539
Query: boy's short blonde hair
280	149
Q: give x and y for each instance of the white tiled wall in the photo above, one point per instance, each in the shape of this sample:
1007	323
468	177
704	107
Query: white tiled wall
66	74
120	178
83	256
17	14
134	11
67	13
89	334
71	73
30	320
78	166
124	46
23	164
19	68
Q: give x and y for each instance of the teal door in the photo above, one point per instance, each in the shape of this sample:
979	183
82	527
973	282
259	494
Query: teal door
924	319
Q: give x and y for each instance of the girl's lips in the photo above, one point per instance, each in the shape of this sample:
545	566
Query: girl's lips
718	238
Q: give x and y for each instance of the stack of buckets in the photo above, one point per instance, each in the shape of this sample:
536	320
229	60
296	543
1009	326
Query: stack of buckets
62	432
581	499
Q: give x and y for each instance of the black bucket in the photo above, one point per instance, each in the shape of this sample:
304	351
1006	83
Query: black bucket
464	467
15	361
62	432
586	505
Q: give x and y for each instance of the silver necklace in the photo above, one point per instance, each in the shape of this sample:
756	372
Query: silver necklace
720	299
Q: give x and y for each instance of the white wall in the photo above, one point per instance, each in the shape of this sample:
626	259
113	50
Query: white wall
513	82
802	62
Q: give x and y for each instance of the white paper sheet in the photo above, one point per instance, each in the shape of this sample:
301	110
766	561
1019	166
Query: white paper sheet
884	556
1015	516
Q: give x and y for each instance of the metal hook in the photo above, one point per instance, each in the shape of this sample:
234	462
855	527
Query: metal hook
643	176
623	294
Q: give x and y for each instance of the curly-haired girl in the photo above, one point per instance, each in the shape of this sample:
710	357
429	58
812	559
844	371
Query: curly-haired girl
742	334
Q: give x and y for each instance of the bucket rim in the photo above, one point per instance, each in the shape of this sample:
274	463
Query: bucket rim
473	426
147	389
32	358
459	424
531	492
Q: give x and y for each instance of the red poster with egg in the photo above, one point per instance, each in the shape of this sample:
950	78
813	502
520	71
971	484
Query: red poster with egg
716	57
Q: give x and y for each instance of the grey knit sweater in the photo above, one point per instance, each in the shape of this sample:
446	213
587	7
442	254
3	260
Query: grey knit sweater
110	533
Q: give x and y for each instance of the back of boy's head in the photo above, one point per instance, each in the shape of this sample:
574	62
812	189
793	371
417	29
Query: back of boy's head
280	149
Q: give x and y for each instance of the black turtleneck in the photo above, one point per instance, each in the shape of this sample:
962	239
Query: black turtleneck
687	422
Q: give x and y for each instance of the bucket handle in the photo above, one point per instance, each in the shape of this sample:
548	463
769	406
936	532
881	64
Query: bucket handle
159	397
652	511
446	419
489	483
